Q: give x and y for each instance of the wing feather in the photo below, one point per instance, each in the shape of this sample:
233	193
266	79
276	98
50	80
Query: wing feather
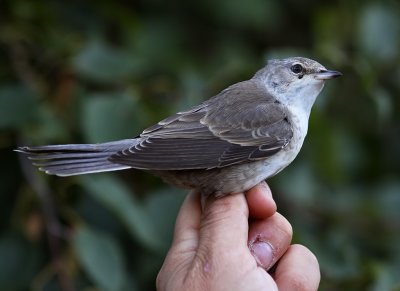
241	124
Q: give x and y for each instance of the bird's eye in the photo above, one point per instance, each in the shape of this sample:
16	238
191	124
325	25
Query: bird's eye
296	68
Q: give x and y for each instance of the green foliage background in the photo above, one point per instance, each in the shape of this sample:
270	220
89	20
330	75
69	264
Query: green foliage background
93	71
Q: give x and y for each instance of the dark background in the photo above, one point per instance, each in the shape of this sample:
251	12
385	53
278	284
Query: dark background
93	71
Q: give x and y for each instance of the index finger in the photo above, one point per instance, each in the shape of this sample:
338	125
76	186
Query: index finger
188	220
260	202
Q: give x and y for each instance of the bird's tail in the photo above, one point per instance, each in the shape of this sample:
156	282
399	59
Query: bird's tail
76	159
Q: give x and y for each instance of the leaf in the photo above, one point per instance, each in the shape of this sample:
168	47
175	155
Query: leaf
388	198
255	14
101	258
298	180
116	197
386	277
111	116
19	261
102	63
379	30
47	126
158	44
163	207
17	106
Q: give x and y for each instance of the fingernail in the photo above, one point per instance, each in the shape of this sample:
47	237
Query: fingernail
263	252
266	189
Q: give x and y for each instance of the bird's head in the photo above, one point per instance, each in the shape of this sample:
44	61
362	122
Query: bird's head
295	81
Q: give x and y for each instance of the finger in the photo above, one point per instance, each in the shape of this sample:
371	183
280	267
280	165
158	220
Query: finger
224	224
188	220
260	201
185	239
269	239
298	270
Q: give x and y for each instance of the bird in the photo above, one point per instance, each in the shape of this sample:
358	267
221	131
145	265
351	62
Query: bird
245	134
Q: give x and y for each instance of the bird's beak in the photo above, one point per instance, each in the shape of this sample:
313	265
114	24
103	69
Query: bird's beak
327	75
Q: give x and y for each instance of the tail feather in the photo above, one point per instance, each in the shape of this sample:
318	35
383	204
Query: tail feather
76	159
62	155
63	162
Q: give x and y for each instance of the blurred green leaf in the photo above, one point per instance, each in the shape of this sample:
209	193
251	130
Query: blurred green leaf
45	127
101	258
158	44
299	181
17	106
100	62
256	14
110	117
388	198
163	207
19	261
115	196
325	149
330	39
379	32
386	278
384	105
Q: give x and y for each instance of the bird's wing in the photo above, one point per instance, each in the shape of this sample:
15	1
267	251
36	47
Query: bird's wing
241	124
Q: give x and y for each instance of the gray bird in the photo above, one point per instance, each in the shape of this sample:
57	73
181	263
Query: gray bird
247	133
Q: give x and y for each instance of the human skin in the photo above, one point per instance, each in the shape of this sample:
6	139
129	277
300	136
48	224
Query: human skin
231	243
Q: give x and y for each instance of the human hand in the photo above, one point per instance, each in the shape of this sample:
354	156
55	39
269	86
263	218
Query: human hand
230	245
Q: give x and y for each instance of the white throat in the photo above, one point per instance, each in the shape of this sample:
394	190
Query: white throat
301	95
